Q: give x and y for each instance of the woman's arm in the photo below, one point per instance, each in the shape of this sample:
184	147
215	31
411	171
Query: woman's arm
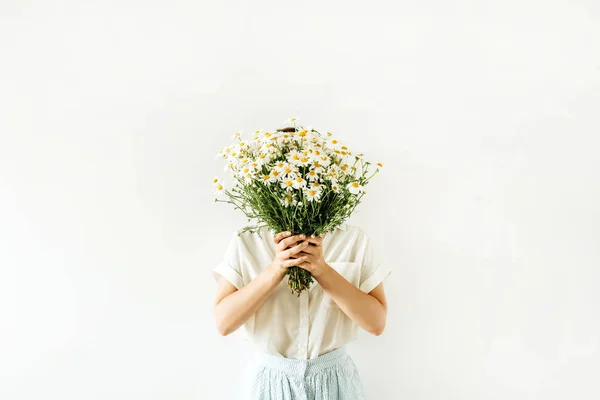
368	310
233	307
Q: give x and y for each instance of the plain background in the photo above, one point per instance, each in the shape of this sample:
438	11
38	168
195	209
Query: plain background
485	115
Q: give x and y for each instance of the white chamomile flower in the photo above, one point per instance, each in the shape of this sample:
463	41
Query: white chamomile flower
332	175
302	134
304	160
276	174
290	171
248	178
219	189
267	136
279	166
268	178
312	194
291	121
246	170
380	165
345	167
335	188
317	167
299	182
333	143
324	160
263	158
312	175
294	157
237	134
284	138
268	148
316	186
287	184
289	200
355	187
315	153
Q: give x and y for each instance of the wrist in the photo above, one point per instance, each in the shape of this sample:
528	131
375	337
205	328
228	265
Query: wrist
275	272
322	270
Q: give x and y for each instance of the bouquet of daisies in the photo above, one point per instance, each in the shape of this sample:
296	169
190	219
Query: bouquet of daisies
294	179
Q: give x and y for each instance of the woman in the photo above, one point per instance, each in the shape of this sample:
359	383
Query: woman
300	338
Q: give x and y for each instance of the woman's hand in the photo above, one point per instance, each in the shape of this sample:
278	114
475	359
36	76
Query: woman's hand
287	248
311	257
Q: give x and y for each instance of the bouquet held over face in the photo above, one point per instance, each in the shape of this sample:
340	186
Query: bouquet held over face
294	179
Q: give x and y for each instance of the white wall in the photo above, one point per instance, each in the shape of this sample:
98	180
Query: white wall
484	114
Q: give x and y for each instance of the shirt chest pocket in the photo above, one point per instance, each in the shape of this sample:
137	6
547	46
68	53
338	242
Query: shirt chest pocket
350	271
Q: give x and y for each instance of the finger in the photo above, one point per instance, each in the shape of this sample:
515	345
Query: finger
306	265
317	240
294	250
285	243
294	262
311	249
280	236
301	254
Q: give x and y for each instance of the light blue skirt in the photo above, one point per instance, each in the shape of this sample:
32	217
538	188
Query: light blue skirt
331	376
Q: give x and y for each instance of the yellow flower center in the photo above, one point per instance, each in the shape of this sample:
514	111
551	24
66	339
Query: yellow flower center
334	141
355	185
275	173
302	133
380	165
267	177
298	179
312	192
304	159
288	183
220	187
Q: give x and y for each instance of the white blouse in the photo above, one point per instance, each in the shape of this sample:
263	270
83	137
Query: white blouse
312	324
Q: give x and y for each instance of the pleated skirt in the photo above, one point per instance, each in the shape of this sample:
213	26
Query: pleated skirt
331	376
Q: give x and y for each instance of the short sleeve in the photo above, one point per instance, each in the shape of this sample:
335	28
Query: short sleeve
372	273
230	266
